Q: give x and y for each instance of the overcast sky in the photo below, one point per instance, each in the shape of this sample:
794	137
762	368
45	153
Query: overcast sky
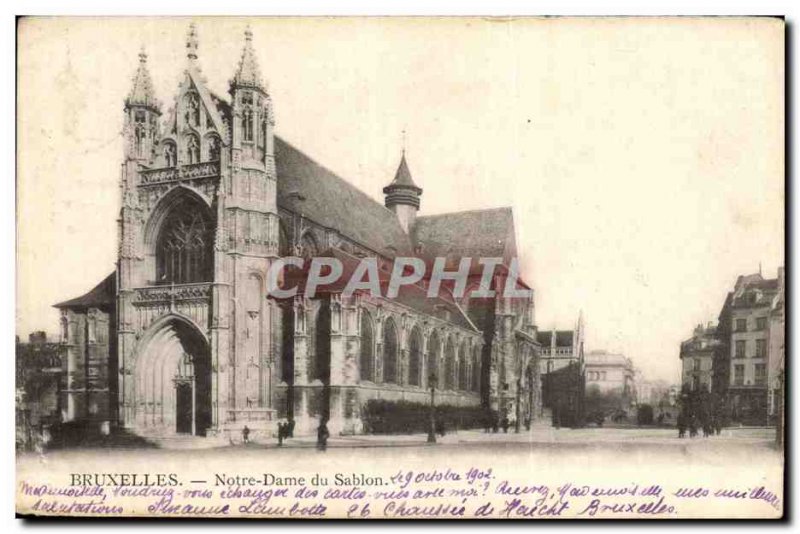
643	158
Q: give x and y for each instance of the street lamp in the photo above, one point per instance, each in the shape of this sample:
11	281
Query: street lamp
432	427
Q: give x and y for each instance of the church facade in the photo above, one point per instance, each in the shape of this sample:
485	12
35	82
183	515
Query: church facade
183	338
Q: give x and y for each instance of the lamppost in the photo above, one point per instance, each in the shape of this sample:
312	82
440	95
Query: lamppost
432	426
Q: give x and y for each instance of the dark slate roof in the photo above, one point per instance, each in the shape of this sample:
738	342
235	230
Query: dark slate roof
330	201
103	294
476	233
403	176
563	337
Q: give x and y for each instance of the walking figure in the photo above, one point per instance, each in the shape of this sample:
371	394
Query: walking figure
282	428
322	435
692	426
246	434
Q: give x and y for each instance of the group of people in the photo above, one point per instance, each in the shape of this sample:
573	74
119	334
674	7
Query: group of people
493	423
286	430
708	423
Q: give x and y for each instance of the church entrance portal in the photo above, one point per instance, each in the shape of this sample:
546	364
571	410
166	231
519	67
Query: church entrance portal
174	381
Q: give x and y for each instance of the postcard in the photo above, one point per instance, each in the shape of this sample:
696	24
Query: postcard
400	268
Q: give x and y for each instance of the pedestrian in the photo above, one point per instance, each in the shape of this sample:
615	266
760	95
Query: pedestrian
245	435
692	426
495	422
281	432
505	424
682	425
290	429
322	435
440	429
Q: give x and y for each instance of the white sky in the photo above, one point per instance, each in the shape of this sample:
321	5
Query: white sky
643	158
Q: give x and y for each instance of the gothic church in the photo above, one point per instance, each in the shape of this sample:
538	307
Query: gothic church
183	339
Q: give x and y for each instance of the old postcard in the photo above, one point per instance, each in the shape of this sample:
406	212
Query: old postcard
400	268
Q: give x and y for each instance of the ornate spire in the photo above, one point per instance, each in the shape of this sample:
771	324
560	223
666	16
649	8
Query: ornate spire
248	74
402	190
142	93
191	42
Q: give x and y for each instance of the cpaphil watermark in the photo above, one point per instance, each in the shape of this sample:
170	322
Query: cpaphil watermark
287	274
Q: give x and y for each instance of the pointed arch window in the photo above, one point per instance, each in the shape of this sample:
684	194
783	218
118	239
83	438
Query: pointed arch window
247	124
390	353
415	358
449	366
476	369
367	348
140	132
192	150
184	247
263	133
463	377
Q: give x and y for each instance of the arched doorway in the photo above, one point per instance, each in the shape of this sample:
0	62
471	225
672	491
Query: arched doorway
173	379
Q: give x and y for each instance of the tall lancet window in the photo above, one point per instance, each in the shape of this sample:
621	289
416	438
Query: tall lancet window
247	116
263	140
247	124
183	250
140	132
192	150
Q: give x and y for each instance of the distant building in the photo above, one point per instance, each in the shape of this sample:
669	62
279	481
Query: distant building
697	358
608	373
751	332
562	372
38	377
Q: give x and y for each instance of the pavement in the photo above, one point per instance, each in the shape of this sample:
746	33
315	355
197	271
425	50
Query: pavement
540	435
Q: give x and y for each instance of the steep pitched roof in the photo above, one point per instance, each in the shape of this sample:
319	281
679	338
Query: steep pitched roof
306	187
403	176
103	294
476	233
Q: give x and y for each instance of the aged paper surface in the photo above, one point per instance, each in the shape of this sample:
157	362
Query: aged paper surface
400	268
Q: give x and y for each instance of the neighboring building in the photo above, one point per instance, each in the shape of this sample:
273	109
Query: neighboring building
697	358
611	374
182	338
751	334
776	348
38	381
562	372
